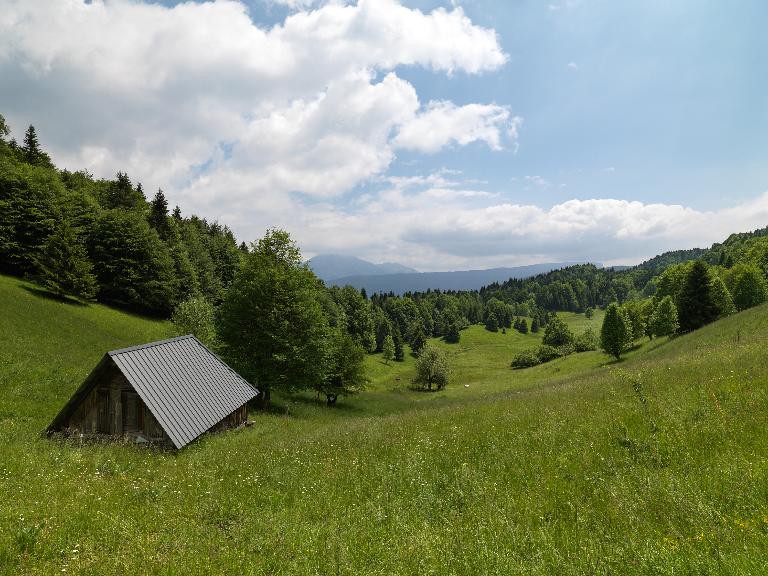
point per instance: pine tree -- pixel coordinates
(696, 306)
(491, 323)
(616, 332)
(63, 266)
(664, 318)
(523, 327)
(535, 325)
(388, 349)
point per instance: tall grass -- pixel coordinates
(653, 465)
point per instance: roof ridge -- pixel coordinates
(150, 344)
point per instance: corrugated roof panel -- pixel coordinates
(187, 388)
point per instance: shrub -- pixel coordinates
(557, 333)
(586, 341)
(566, 349)
(546, 353)
(525, 359)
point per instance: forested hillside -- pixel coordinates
(84, 238)
(93, 238)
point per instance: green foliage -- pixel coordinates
(523, 326)
(133, 266)
(196, 316)
(491, 323)
(748, 286)
(158, 215)
(616, 332)
(346, 370)
(63, 267)
(636, 313)
(121, 194)
(586, 341)
(534, 325)
(721, 296)
(664, 318)
(28, 213)
(32, 152)
(547, 353)
(589, 312)
(388, 350)
(398, 340)
(525, 359)
(360, 321)
(432, 368)
(557, 333)
(272, 326)
(695, 304)
(416, 337)
(453, 335)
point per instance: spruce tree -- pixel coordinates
(696, 305)
(616, 332)
(491, 323)
(523, 327)
(63, 267)
(535, 325)
(158, 215)
(31, 151)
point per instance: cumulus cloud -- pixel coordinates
(217, 109)
(473, 230)
(443, 123)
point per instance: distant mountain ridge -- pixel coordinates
(328, 267)
(458, 280)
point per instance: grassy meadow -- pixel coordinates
(654, 465)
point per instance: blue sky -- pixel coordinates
(571, 130)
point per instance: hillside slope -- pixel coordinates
(655, 465)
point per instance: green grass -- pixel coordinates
(654, 465)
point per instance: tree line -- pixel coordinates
(100, 239)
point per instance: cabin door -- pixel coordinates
(133, 412)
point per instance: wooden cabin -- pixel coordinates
(170, 391)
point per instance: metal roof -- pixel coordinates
(187, 387)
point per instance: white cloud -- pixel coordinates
(220, 111)
(473, 231)
(443, 123)
(573, 66)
